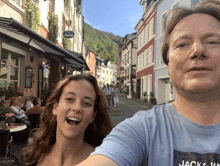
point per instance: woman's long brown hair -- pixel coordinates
(45, 137)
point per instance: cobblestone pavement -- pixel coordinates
(127, 108)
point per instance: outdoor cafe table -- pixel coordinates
(16, 127)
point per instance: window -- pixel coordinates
(10, 69)
(163, 22)
(146, 62)
(176, 5)
(146, 33)
(142, 60)
(150, 51)
(139, 64)
(194, 2)
(17, 2)
(139, 41)
(151, 28)
(50, 5)
(142, 37)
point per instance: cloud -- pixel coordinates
(134, 19)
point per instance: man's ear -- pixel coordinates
(55, 108)
(168, 68)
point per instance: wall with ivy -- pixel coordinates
(32, 16)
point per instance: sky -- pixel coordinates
(117, 16)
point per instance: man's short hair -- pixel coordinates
(210, 7)
(36, 101)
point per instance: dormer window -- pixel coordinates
(148, 3)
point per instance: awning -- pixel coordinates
(78, 55)
(14, 31)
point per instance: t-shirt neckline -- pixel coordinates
(191, 124)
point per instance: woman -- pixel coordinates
(115, 97)
(18, 112)
(74, 122)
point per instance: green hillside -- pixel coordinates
(103, 44)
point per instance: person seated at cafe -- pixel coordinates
(29, 103)
(74, 122)
(37, 109)
(17, 110)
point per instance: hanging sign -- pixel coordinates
(68, 34)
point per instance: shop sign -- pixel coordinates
(10, 63)
(68, 34)
(4, 71)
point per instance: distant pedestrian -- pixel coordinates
(108, 94)
(115, 97)
(112, 86)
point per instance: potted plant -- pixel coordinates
(5, 114)
(3, 93)
(145, 94)
(153, 100)
(11, 92)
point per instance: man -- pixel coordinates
(187, 131)
(35, 112)
(108, 94)
(37, 109)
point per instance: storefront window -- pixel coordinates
(10, 66)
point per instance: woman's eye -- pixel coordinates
(87, 104)
(69, 99)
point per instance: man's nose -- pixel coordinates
(199, 50)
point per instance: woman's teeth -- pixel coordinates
(73, 121)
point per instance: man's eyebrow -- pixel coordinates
(210, 34)
(185, 36)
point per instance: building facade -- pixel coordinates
(129, 59)
(145, 52)
(29, 61)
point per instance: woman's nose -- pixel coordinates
(77, 106)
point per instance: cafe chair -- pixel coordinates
(34, 120)
(4, 142)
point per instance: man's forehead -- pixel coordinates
(197, 23)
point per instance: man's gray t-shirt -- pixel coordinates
(162, 136)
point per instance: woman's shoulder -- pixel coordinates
(44, 160)
(88, 149)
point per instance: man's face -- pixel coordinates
(107, 85)
(194, 54)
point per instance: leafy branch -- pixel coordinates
(53, 26)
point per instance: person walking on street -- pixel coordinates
(185, 131)
(108, 94)
(115, 97)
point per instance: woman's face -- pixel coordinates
(16, 102)
(75, 109)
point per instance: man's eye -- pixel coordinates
(213, 42)
(181, 45)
